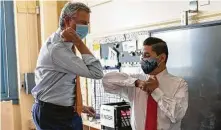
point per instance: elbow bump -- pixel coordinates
(98, 75)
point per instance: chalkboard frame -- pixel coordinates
(191, 26)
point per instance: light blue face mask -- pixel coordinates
(82, 30)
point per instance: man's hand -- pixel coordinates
(152, 84)
(89, 110)
(70, 35)
(148, 86)
(141, 84)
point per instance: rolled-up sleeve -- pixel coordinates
(88, 66)
(120, 83)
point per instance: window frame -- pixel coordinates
(9, 45)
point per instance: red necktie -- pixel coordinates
(151, 114)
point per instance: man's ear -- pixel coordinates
(163, 57)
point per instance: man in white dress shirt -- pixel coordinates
(158, 99)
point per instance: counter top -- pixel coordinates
(94, 124)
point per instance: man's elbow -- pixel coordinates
(97, 75)
(105, 84)
(100, 75)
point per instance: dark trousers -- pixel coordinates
(48, 116)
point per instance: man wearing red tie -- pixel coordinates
(158, 99)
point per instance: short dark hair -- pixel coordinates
(158, 45)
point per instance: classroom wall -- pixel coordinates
(117, 15)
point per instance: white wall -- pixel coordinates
(122, 14)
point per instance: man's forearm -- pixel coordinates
(82, 48)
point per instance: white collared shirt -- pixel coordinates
(171, 96)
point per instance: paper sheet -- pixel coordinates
(112, 57)
(129, 46)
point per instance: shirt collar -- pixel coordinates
(162, 73)
(58, 31)
(58, 35)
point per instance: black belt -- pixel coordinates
(53, 106)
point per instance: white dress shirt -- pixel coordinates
(171, 97)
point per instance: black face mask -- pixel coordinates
(148, 65)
